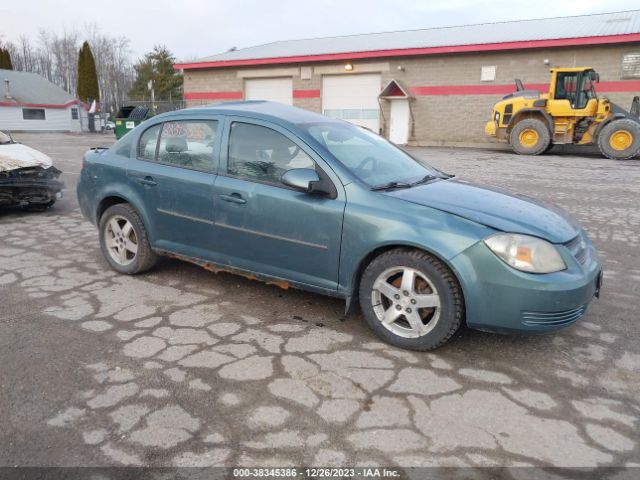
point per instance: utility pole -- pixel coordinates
(153, 95)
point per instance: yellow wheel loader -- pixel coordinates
(570, 113)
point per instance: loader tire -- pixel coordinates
(530, 137)
(620, 139)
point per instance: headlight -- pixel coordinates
(529, 254)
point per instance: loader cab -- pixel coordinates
(572, 92)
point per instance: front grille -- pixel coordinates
(533, 319)
(578, 248)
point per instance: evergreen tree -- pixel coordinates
(157, 66)
(5, 59)
(87, 89)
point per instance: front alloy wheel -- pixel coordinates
(411, 299)
(406, 302)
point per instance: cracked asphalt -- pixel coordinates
(183, 367)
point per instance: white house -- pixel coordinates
(29, 102)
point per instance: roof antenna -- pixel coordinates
(232, 49)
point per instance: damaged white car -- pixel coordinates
(27, 176)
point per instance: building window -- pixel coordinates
(631, 65)
(33, 114)
(487, 73)
(74, 114)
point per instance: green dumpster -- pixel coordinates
(128, 118)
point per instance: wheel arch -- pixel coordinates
(531, 113)
(106, 203)
(611, 118)
(352, 292)
(115, 198)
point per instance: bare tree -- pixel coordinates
(54, 55)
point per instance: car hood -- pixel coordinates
(495, 208)
(16, 155)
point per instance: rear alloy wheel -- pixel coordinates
(123, 240)
(620, 139)
(530, 137)
(411, 299)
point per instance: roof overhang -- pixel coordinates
(44, 105)
(406, 52)
(395, 90)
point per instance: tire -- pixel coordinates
(530, 136)
(118, 245)
(620, 139)
(432, 284)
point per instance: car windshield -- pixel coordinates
(368, 156)
(4, 138)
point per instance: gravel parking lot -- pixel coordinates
(184, 367)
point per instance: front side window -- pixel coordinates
(262, 154)
(33, 114)
(368, 156)
(188, 144)
(149, 142)
(74, 114)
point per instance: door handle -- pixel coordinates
(149, 181)
(234, 198)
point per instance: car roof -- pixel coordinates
(259, 109)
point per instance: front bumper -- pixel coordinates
(30, 186)
(490, 128)
(500, 298)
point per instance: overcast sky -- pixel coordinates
(197, 28)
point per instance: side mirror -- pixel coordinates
(302, 179)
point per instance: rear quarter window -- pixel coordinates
(148, 143)
(123, 146)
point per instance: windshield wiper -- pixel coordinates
(390, 185)
(425, 179)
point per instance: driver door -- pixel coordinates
(266, 227)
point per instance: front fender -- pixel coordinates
(373, 224)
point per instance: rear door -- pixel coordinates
(174, 172)
(265, 227)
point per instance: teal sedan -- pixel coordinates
(297, 199)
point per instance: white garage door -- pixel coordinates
(353, 98)
(273, 89)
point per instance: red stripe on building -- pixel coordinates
(473, 89)
(306, 94)
(213, 95)
(604, 87)
(484, 47)
(621, 86)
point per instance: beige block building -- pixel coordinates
(424, 87)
